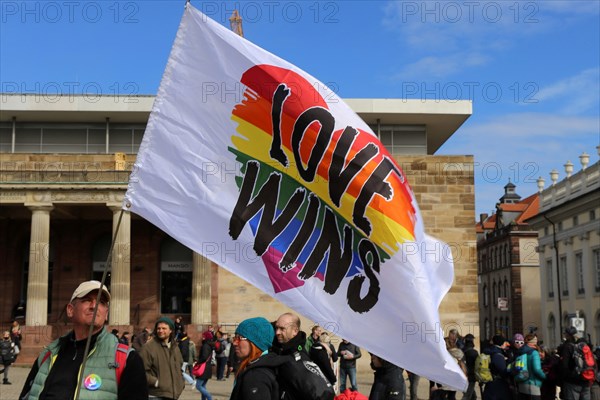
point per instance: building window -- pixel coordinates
(176, 277)
(597, 326)
(74, 138)
(5, 137)
(486, 301)
(550, 278)
(575, 221)
(494, 293)
(560, 226)
(486, 325)
(545, 231)
(551, 329)
(506, 289)
(125, 138)
(580, 276)
(403, 139)
(564, 277)
(100, 250)
(596, 261)
(592, 215)
(500, 328)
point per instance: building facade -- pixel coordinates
(508, 269)
(568, 225)
(65, 162)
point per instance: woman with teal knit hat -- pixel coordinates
(255, 378)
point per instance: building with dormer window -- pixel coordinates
(507, 267)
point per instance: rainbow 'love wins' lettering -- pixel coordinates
(324, 203)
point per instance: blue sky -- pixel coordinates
(531, 68)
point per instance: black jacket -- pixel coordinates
(295, 344)
(184, 347)
(206, 350)
(388, 383)
(344, 363)
(567, 365)
(258, 381)
(498, 364)
(470, 358)
(318, 353)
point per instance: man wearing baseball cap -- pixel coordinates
(56, 374)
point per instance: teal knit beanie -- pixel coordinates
(258, 330)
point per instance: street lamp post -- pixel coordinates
(560, 321)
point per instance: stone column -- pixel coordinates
(121, 268)
(201, 296)
(39, 255)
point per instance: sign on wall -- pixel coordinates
(176, 266)
(503, 303)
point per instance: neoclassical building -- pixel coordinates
(64, 165)
(568, 226)
(508, 269)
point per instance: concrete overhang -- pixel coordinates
(441, 118)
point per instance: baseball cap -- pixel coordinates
(87, 287)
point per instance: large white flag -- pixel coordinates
(258, 166)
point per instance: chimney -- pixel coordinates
(482, 217)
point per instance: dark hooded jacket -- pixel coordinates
(293, 345)
(388, 383)
(319, 355)
(498, 389)
(258, 381)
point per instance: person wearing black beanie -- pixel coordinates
(499, 388)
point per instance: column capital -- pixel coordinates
(40, 206)
(115, 207)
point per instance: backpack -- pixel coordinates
(218, 347)
(584, 362)
(482, 368)
(301, 379)
(121, 355)
(520, 368)
(7, 354)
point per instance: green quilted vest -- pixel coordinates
(100, 363)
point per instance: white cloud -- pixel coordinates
(576, 94)
(522, 147)
(460, 33)
(441, 66)
(532, 126)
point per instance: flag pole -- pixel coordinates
(107, 265)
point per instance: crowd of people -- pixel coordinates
(524, 369)
(277, 360)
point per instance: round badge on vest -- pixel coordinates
(92, 382)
